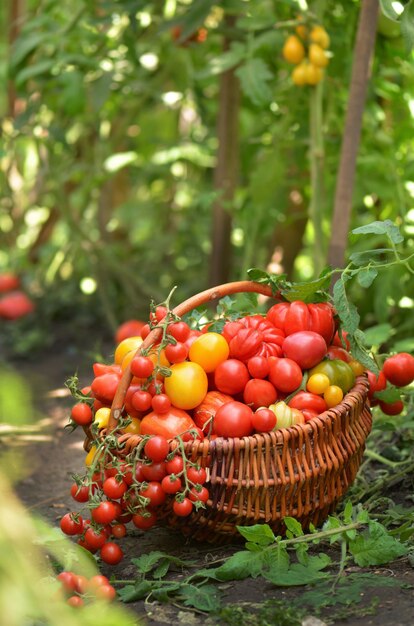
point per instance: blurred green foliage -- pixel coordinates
(107, 162)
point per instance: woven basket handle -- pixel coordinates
(214, 293)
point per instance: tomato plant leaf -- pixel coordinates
(391, 394)
(299, 574)
(359, 352)
(226, 60)
(254, 76)
(131, 593)
(204, 598)
(243, 564)
(293, 526)
(260, 534)
(375, 546)
(368, 256)
(347, 311)
(407, 25)
(375, 335)
(366, 276)
(387, 227)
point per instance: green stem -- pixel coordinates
(382, 459)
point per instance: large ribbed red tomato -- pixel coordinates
(204, 412)
(253, 335)
(296, 316)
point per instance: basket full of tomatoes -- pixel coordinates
(252, 419)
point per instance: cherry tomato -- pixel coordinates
(71, 524)
(104, 387)
(285, 374)
(231, 376)
(119, 530)
(111, 553)
(258, 392)
(68, 581)
(141, 400)
(154, 471)
(182, 508)
(104, 513)
(305, 347)
(376, 383)
(333, 395)
(81, 414)
(95, 538)
(179, 330)
(144, 521)
(233, 419)
(171, 484)
(130, 344)
(399, 369)
(157, 448)
(176, 353)
(317, 383)
(209, 350)
(80, 493)
(198, 495)
(114, 488)
(161, 403)
(8, 282)
(391, 408)
(187, 385)
(154, 492)
(263, 420)
(196, 474)
(175, 466)
(75, 601)
(142, 366)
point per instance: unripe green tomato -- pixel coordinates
(338, 372)
(286, 416)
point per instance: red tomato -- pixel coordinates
(104, 387)
(144, 521)
(376, 383)
(233, 419)
(399, 369)
(154, 492)
(171, 484)
(80, 493)
(142, 366)
(179, 330)
(264, 420)
(285, 374)
(168, 425)
(391, 408)
(154, 471)
(176, 465)
(113, 488)
(176, 353)
(157, 448)
(335, 352)
(68, 580)
(71, 524)
(111, 553)
(130, 328)
(204, 412)
(258, 366)
(297, 316)
(309, 414)
(305, 347)
(183, 507)
(14, 305)
(259, 393)
(340, 338)
(231, 376)
(8, 282)
(95, 538)
(104, 513)
(81, 414)
(196, 475)
(307, 400)
(161, 403)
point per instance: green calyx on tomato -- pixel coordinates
(338, 372)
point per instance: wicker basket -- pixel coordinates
(302, 471)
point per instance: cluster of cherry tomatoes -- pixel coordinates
(307, 51)
(79, 590)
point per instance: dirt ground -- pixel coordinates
(53, 454)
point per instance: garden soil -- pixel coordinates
(52, 454)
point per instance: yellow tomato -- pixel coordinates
(299, 74)
(102, 417)
(317, 383)
(209, 350)
(293, 50)
(356, 367)
(134, 428)
(90, 457)
(187, 385)
(314, 74)
(301, 30)
(333, 395)
(319, 35)
(317, 55)
(127, 345)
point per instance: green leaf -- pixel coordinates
(131, 593)
(388, 10)
(391, 394)
(366, 277)
(407, 25)
(299, 574)
(24, 45)
(375, 546)
(378, 334)
(307, 291)
(293, 526)
(226, 60)
(368, 256)
(147, 562)
(381, 228)
(204, 598)
(347, 311)
(260, 534)
(359, 352)
(254, 76)
(243, 564)
(31, 71)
